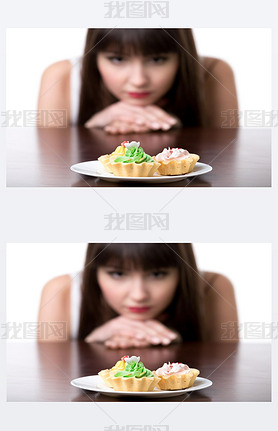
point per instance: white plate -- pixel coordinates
(95, 169)
(96, 384)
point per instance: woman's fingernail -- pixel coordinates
(155, 340)
(155, 125)
(166, 341)
(172, 120)
(172, 336)
(166, 126)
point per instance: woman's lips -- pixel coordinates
(139, 95)
(139, 309)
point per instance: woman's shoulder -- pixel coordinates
(55, 304)
(216, 283)
(58, 69)
(215, 66)
(210, 63)
(58, 286)
(219, 307)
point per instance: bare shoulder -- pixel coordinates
(54, 91)
(218, 282)
(219, 91)
(216, 66)
(220, 305)
(55, 306)
(58, 287)
(57, 70)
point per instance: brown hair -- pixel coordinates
(184, 314)
(186, 97)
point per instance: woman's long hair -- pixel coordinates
(184, 314)
(186, 97)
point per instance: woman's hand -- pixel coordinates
(122, 342)
(122, 127)
(148, 118)
(148, 331)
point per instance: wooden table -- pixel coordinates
(43, 371)
(42, 157)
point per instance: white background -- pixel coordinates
(30, 51)
(30, 266)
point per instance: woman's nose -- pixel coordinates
(138, 74)
(139, 290)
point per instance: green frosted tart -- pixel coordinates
(134, 378)
(135, 162)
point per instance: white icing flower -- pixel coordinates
(132, 358)
(132, 144)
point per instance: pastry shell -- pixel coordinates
(178, 381)
(107, 376)
(178, 166)
(106, 161)
(144, 169)
(133, 384)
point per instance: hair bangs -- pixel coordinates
(135, 256)
(144, 41)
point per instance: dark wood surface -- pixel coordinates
(42, 157)
(43, 371)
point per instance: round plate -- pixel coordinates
(95, 169)
(96, 384)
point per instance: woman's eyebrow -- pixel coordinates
(128, 54)
(115, 52)
(115, 267)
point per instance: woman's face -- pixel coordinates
(136, 79)
(138, 294)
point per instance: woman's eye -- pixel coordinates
(116, 59)
(159, 274)
(158, 60)
(116, 274)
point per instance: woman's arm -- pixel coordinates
(54, 308)
(54, 95)
(221, 319)
(220, 94)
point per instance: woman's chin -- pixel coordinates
(139, 316)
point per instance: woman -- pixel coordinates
(140, 295)
(140, 80)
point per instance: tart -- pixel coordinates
(176, 161)
(106, 159)
(134, 378)
(135, 162)
(175, 375)
(107, 374)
